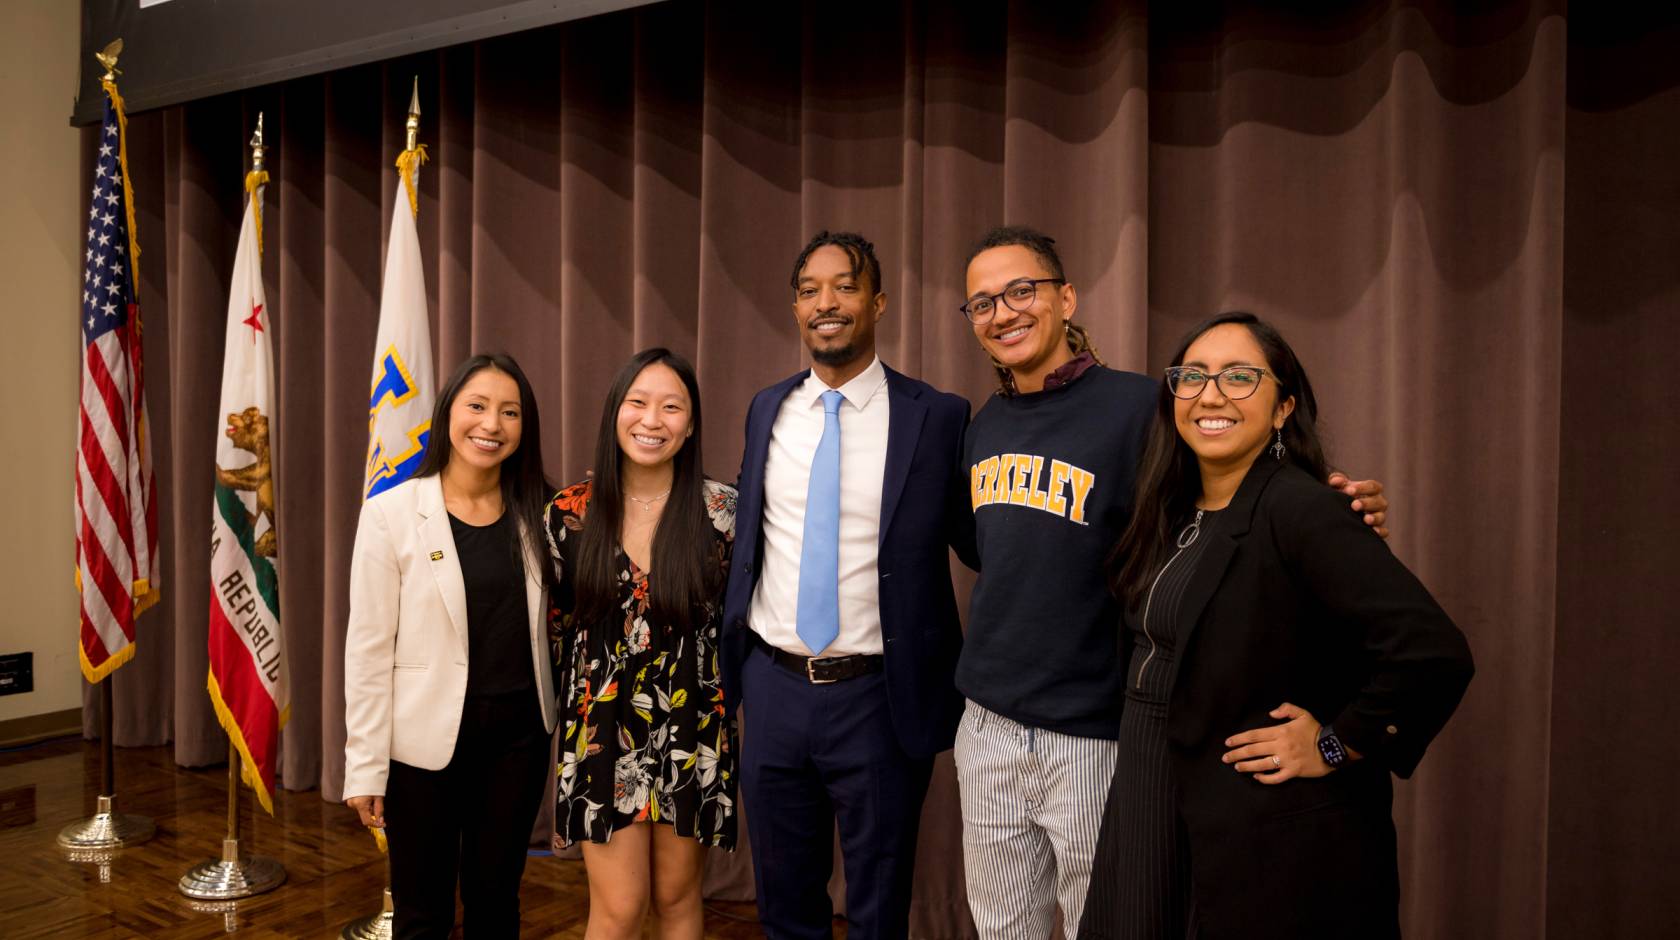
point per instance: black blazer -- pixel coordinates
(924, 510)
(1296, 600)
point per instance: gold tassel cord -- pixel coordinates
(408, 163)
(253, 181)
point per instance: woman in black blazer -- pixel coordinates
(1281, 664)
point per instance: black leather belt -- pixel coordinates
(822, 670)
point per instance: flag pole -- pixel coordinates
(379, 926)
(95, 838)
(88, 839)
(234, 875)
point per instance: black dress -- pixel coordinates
(1140, 876)
(645, 734)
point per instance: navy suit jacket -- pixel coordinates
(924, 511)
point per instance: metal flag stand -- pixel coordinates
(94, 839)
(107, 829)
(233, 875)
(378, 926)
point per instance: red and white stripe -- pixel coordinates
(116, 517)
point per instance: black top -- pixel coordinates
(1154, 631)
(498, 633)
(1051, 476)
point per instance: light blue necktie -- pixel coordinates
(819, 556)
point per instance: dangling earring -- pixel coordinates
(1278, 450)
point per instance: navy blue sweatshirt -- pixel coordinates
(1051, 478)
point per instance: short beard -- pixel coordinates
(844, 355)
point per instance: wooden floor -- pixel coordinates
(334, 872)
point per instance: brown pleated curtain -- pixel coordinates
(1465, 222)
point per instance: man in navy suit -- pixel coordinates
(841, 632)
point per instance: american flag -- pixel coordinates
(116, 505)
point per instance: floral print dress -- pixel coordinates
(645, 734)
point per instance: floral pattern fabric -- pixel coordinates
(645, 733)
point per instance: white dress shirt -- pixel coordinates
(787, 477)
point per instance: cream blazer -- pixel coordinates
(405, 651)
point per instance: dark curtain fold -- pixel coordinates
(1464, 219)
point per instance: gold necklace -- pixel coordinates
(647, 504)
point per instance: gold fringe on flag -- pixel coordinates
(407, 163)
(253, 180)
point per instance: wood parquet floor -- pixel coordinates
(334, 872)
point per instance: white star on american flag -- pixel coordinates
(96, 280)
(92, 233)
(110, 309)
(100, 261)
(93, 213)
(86, 297)
(110, 199)
(119, 248)
(104, 239)
(99, 170)
(90, 254)
(90, 323)
(107, 218)
(116, 267)
(113, 287)
(110, 130)
(104, 150)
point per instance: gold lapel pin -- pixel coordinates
(437, 556)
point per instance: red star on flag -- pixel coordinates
(254, 321)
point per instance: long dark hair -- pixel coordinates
(525, 490)
(1169, 481)
(688, 573)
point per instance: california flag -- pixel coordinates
(247, 668)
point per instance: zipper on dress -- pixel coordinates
(1185, 540)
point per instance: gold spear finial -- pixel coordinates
(414, 115)
(108, 58)
(257, 148)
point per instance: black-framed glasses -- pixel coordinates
(1018, 295)
(1235, 383)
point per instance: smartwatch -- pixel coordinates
(1330, 747)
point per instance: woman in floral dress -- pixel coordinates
(647, 763)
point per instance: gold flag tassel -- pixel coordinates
(407, 162)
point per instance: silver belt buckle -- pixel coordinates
(811, 673)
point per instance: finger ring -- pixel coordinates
(1277, 761)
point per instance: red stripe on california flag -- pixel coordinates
(243, 692)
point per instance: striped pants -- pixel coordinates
(1032, 806)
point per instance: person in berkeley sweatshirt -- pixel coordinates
(1052, 460)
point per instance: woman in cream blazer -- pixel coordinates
(448, 674)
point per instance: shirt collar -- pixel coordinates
(858, 391)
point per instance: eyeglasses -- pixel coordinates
(1235, 383)
(1018, 295)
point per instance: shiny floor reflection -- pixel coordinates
(334, 872)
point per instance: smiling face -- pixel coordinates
(1223, 432)
(837, 309)
(1032, 342)
(655, 418)
(485, 419)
